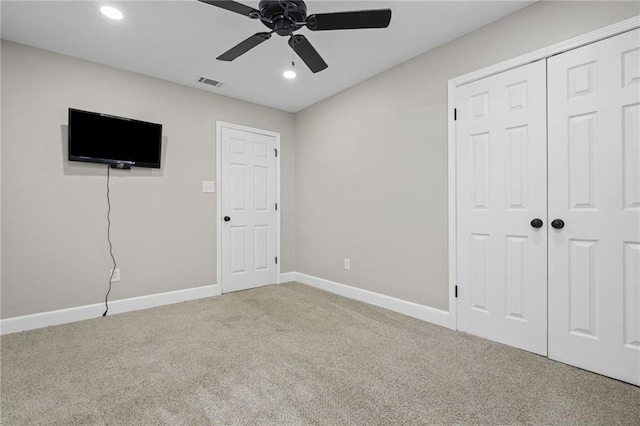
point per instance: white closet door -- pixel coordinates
(501, 177)
(594, 187)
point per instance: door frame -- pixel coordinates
(219, 126)
(453, 84)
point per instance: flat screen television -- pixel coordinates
(118, 141)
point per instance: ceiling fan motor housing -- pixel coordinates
(283, 16)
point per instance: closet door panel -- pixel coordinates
(594, 188)
(501, 187)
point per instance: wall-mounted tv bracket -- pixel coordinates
(123, 165)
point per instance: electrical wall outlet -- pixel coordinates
(116, 275)
(347, 264)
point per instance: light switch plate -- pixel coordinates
(208, 186)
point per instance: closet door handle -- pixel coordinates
(227, 219)
(557, 223)
(537, 223)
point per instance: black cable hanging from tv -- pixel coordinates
(113, 271)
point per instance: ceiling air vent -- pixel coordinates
(205, 80)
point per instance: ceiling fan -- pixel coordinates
(284, 17)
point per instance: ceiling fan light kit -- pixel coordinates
(284, 17)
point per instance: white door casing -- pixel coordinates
(248, 194)
(594, 187)
(501, 188)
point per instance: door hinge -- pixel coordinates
(276, 151)
(276, 260)
(276, 206)
(455, 114)
(456, 292)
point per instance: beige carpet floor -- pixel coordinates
(289, 355)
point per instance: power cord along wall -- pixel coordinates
(106, 297)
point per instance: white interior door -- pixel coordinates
(501, 187)
(594, 187)
(248, 209)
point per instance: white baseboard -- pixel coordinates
(424, 313)
(79, 313)
(287, 277)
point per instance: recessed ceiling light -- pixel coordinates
(289, 74)
(111, 12)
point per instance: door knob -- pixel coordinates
(557, 223)
(227, 219)
(536, 223)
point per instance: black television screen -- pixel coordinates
(123, 142)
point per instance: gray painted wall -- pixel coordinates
(54, 211)
(371, 162)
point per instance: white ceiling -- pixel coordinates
(178, 41)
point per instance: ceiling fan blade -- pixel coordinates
(244, 46)
(379, 18)
(234, 6)
(307, 53)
